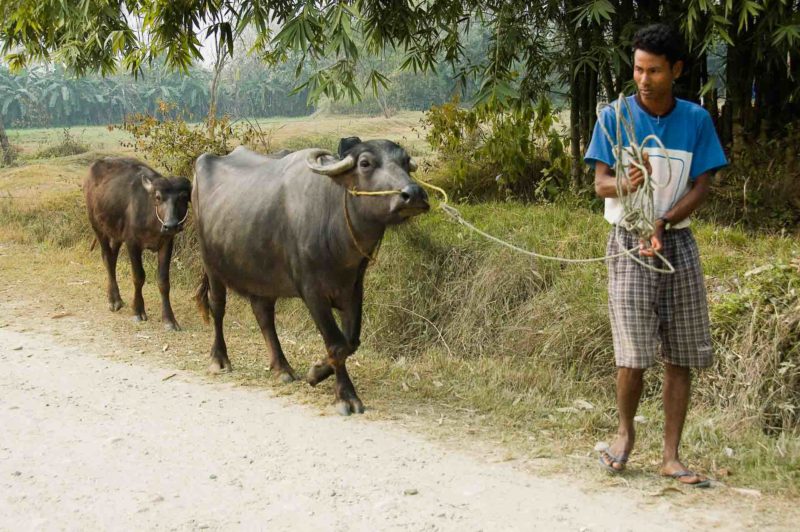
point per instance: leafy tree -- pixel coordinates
(580, 44)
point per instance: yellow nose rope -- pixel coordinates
(371, 258)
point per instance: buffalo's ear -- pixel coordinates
(147, 183)
(346, 144)
(187, 186)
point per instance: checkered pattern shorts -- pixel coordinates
(646, 306)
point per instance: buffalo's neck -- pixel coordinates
(363, 234)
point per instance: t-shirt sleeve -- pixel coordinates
(708, 154)
(600, 148)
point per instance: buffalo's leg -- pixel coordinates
(351, 323)
(110, 252)
(338, 350)
(217, 295)
(264, 310)
(135, 254)
(164, 258)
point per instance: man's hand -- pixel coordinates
(656, 241)
(636, 176)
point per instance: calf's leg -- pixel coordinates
(110, 252)
(135, 254)
(164, 258)
(264, 310)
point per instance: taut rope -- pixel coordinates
(636, 218)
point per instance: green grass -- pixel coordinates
(487, 342)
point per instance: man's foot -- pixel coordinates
(611, 463)
(679, 472)
(615, 458)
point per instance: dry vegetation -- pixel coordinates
(471, 338)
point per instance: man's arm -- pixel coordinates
(679, 212)
(605, 182)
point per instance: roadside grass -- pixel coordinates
(469, 340)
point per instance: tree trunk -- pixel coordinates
(575, 135)
(219, 64)
(625, 14)
(5, 144)
(576, 170)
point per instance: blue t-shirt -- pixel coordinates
(691, 143)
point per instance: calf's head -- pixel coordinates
(170, 200)
(375, 166)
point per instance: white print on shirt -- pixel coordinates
(666, 191)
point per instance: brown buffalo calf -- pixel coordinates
(129, 202)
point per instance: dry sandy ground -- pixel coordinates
(91, 443)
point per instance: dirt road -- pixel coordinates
(92, 443)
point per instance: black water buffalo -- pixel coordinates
(129, 202)
(290, 228)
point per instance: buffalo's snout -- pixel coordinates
(414, 197)
(170, 227)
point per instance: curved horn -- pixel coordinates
(412, 165)
(328, 169)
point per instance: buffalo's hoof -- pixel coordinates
(215, 368)
(319, 372)
(286, 377)
(172, 326)
(142, 316)
(114, 306)
(345, 407)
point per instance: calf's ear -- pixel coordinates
(346, 144)
(188, 187)
(147, 183)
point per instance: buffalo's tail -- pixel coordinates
(201, 298)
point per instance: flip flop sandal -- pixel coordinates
(621, 459)
(686, 473)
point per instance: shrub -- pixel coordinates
(761, 188)
(757, 333)
(488, 152)
(173, 144)
(69, 145)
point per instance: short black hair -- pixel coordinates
(660, 39)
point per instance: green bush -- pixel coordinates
(69, 145)
(487, 152)
(761, 188)
(757, 332)
(171, 143)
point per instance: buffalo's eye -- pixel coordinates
(364, 163)
(158, 198)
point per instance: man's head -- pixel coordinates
(658, 53)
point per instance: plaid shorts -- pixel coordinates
(646, 306)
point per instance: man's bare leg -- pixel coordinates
(630, 382)
(677, 387)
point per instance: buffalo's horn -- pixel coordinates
(412, 165)
(328, 169)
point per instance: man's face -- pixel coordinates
(653, 75)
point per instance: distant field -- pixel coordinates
(401, 128)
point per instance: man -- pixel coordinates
(646, 306)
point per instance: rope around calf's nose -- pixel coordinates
(158, 217)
